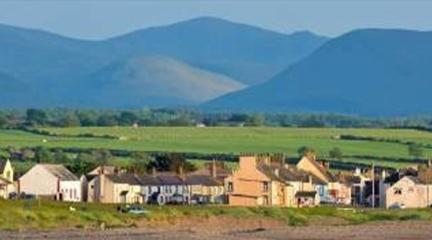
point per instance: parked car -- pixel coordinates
(133, 209)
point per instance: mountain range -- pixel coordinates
(179, 64)
(367, 72)
(220, 65)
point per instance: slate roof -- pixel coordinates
(107, 170)
(202, 180)
(169, 179)
(323, 170)
(284, 174)
(125, 178)
(60, 172)
(395, 177)
(149, 180)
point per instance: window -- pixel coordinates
(265, 187)
(398, 191)
(230, 187)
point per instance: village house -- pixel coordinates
(110, 186)
(260, 182)
(52, 181)
(358, 182)
(172, 189)
(329, 188)
(119, 187)
(6, 179)
(407, 188)
(207, 185)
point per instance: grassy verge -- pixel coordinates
(16, 215)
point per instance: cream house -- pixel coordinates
(51, 181)
(330, 188)
(115, 188)
(407, 192)
(6, 179)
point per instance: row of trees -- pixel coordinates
(84, 161)
(187, 117)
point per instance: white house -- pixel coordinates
(51, 180)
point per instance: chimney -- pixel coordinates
(214, 169)
(101, 184)
(429, 163)
(276, 172)
(154, 172)
(327, 165)
(310, 179)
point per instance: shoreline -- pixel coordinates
(396, 230)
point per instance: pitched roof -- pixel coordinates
(149, 180)
(284, 174)
(202, 180)
(322, 169)
(169, 179)
(107, 170)
(60, 171)
(125, 178)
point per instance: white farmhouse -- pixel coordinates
(52, 181)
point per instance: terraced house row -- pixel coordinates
(259, 180)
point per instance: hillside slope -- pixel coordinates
(372, 71)
(57, 68)
(246, 53)
(155, 81)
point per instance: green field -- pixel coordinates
(228, 140)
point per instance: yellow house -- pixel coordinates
(115, 188)
(6, 179)
(261, 182)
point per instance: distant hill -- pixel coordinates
(246, 53)
(372, 71)
(57, 68)
(155, 81)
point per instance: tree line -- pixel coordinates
(190, 117)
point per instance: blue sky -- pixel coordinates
(97, 19)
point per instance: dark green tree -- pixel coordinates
(255, 120)
(306, 151)
(127, 118)
(70, 120)
(107, 120)
(141, 162)
(36, 116)
(43, 155)
(83, 163)
(415, 150)
(336, 153)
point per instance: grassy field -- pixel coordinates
(17, 215)
(228, 140)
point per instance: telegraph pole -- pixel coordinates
(373, 185)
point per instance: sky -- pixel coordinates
(98, 19)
